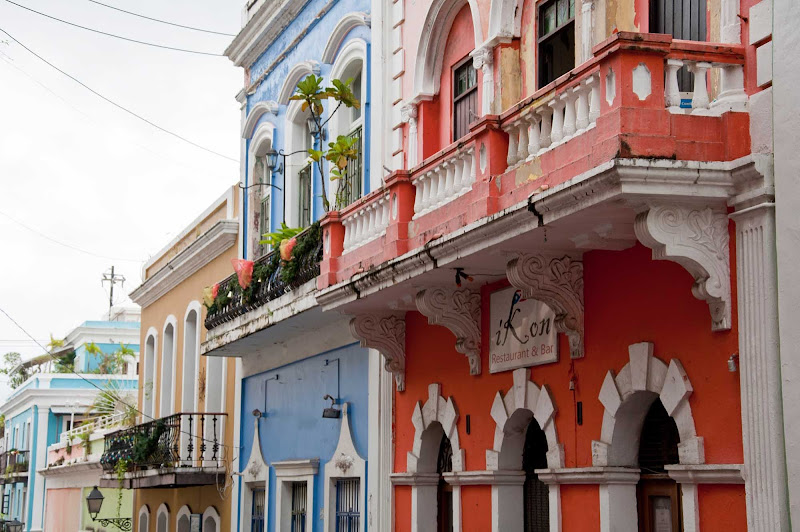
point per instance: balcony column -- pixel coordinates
(522, 144)
(483, 60)
(700, 96)
(408, 113)
(760, 369)
(37, 460)
(333, 235)
(402, 197)
(557, 127)
(544, 135)
(533, 135)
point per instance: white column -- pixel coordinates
(483, 60)
(700, 96)
(672, 94)
(409, 115)
(587, 33)
(507, 506)
(760, 370)
(380, 459)
(618, 512)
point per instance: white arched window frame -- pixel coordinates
(162, 518)
(190, 380)
(211, 520)
(168, 355)
(260, 193)
(346, 464)
(350, 63)
(216, 376)
(144, 519)
(183, 519)
(298, 139)
(149, 373)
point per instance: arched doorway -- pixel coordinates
(535, 493)
(444, 491)
(657, 495)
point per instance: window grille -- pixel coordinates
(257, 515)
(556, 39)
(264, 218)
(299, 498)
(465, 97)
(350, 188)
(347, 514)
(535, 492)
(304, 182)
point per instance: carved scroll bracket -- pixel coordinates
(558, 282)
(697, 239)
(386, 334)
(460, 311)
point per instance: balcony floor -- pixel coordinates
(170, 477)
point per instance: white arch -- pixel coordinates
(168, 355)
(262, 140)
(430, 50)
(184, 513)
(162, 518)
(149, 373)
(425, 451)
(627, 399)
(258, 110)
(505, 21)
(345, 25)
(191, 356)
(296, 73)
(144, 519)
(211, 518)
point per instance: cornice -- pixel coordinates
(206, 248)
(69, 469)
(589, 475)
(707, 473)
(262, 29)
(296, 468)
(481, 478)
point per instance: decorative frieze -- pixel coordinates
(697, 239)
(460, 311)
(386, 334)
(558, 282)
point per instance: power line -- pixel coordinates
(94, 385)
(113, 34)
(115, 104)
(51, 239)
(162, 21)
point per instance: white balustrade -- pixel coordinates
(446, 181)
(564, 117)
(366, 223)
(90, 426)
(732, 95)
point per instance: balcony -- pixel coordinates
(185, 449)
(14, 465)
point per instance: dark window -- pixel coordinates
(350, 187)
(658, 495)
(257, 515)
(444, 493)
(304, 206)
(683, 19)
(356, 88)
(465, 97)
(264, 217)
(299, 498)
(347, 515)
(535, 492)
(556, 39)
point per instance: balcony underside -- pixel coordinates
(170, 477)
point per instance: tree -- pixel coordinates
(10, 362)
(66, 363)
(112, 363)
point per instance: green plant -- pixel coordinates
(120, 468)
(306, 245)
(66, 363)
(275, 238)
(16, 375)
(145, 445)
(68, 447)
(84, 442)
(114, 363)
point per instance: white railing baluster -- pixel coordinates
(700, 96)
(582, 106)
(557, 125)
(544, 135)
(672, 94)
(450, 177)
(522, 143)
(458, 174)
(533, 135)
(512, 145)
(594, 100)
(569, 98)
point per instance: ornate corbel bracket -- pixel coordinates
(697, 239)
(558, 282)
(386, 334)
(460, 311)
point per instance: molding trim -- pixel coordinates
(559, 283)
(414, 479)
(258, 110)
(296, 468)
(386, 334)
(483, 478)
(206, 248)
(346, 463)
(436, 409)
(697, 239)
(296, 74)
(345, 25)
(707, 473)
(645, 376)
(523, 395)
(261, 30)
(589, 475)
(460, 311)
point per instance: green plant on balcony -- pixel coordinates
(68, 447)
(84, 442)
(145, 445)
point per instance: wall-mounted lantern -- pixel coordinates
(94, 501)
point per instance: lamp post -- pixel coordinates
(94, 501)
(14, 526)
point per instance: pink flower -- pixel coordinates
(287, 246)
(244, 271)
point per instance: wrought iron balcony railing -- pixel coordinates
(277, 282)
(14, 462)
(181, 440)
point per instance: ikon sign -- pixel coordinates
(523, 332)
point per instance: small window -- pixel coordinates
(299, 500)
(264, 217)
(257, 516)
(304, 207)
(465, 97)
(356, 88)
(556, 39)
(347, 514)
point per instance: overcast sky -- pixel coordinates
(85, 174)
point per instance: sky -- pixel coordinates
(84, 185)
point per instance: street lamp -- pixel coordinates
(94, 501)
(14, 526)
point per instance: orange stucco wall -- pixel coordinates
(629, 298)
(197, 499)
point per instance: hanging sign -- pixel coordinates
(522, 332)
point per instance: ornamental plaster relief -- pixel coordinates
(437, 409)
(460, 311)
(697, 239)
(386, 334)
(558, 282)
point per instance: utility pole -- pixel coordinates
(112, 278)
